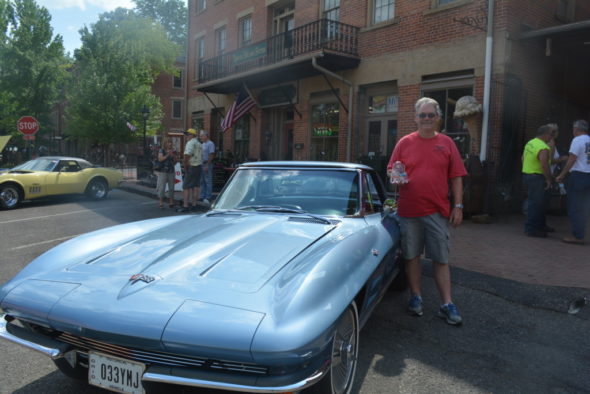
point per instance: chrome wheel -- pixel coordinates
(345, 351)
(97, 189)
(343, 358)
(9, 196)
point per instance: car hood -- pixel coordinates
(208, 262)
(238, 251)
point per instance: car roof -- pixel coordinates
(61, 158)
(307, 164)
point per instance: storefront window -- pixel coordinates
(324, 131)
(454, 128)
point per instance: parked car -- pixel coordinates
(55, 175)
(266, 292)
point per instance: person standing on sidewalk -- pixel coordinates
(538, 180)
(207, 175)
(431, 160)
(192, 169)
(578, 183)
(167, 159)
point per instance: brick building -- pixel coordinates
(337, 79)
(171, 90)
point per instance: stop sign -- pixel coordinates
(27, 125)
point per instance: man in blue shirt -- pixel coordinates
(207, 174)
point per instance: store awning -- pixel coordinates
(3, 141)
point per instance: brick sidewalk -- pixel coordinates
(501, 249)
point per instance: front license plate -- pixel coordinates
(115, 373)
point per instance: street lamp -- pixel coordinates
(145, 113)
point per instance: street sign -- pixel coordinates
(27, 125)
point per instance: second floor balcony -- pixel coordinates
(283, 57)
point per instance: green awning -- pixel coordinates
(3, 141)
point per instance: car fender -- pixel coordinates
(333, 271)
(35, 185)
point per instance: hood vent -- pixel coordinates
(305, 219)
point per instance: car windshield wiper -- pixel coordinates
(279, 209)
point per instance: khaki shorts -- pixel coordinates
(427, 233)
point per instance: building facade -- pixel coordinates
(338, 79)
(171, 89)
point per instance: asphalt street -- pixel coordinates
(517, 338)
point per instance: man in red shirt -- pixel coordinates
(431, 160)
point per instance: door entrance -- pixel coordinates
(277, 135)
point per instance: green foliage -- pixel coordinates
(31, 64)
(120, 57)
(171, 14)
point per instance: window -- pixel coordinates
(176, 109)
(201, 5)
(371, 199)
(324, 131)
(198, 120)
(383, 10)
(200, 54)
(443, 2)
(245, 30)
(177, 79)
(446, 93)
(220, 40)
(332, 10)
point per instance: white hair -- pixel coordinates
(427, 100)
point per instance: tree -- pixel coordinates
(114, 69)
(32, 64)
(171, 14)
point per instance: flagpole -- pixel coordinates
(250, 94)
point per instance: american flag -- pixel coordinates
(239, 108)
(131, 127)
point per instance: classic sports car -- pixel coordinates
(264, 293)
(55, 175)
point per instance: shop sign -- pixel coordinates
(323, 131)
(249, 53)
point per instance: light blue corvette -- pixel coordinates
(264, 293)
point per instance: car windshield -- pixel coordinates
(40, 164)
(329, 192)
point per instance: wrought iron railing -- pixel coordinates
(314, 36)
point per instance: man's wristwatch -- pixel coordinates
(460, 206)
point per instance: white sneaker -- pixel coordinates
(206, 201)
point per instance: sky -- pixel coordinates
(69, 16)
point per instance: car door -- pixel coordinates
(68, 178)
(384, 237)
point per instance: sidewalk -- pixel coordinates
(501, 249)
(498, 249)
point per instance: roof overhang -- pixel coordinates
(287, 70)
(573, 38)
(575, 28)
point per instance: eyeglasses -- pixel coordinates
(429, 115)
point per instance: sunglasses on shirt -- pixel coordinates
(429, 115)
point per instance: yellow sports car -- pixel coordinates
(55, 175)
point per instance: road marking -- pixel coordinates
(45, 217)
(66, 213)
(44, 242)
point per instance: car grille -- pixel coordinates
(160, 358)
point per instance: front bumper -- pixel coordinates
(173, 375)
